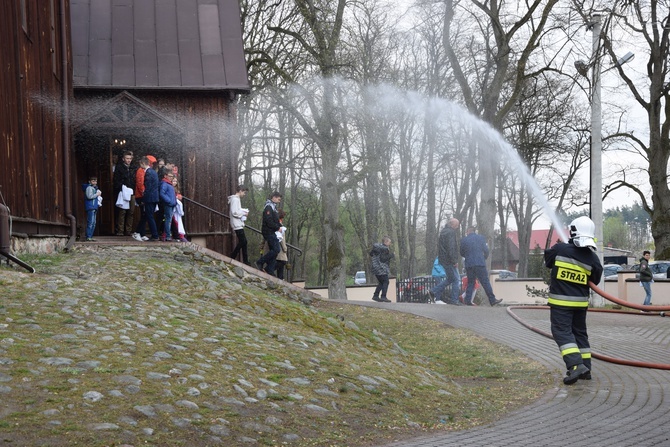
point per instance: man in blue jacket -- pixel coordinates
(475, 250)
(150, 198)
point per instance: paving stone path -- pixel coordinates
(621, 406)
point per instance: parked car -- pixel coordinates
(659, 268)
(360, 279)
(610, 271)
(505, 274)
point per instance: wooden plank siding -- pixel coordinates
(31, 146)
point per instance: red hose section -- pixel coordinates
(616, 300)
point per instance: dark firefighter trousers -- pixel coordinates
(568, 326)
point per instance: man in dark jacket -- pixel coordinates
(646, 276)
(475, 250)
(573, 265)
(150, 198)
(448, 255)
(124, 175)
(145, 163)
(269, 227)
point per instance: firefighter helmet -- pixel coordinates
(582, 232)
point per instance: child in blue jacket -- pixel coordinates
(168, 200)
(93, 197)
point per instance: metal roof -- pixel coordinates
(158, 44)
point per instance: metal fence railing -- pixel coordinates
(415, 290)
(247, 227)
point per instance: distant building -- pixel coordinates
(508, 259)
(618, 256)
(505, 259)
(538, 239)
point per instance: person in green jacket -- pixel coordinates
(646, 276)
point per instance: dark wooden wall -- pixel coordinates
(31, 147)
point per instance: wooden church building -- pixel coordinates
(91, 79)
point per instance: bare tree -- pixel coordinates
(647, 22)
(551, 138)
(402, 166)
(371, 48)
(319, 37)
(276, 153)
(502, 38)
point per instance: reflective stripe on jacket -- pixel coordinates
(571, 270)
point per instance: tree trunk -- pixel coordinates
(660, 214)
(333, 231)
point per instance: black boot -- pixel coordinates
(574, 374)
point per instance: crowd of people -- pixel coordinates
(274, 260)
(573, 265)
(153, 188)
(474, 250)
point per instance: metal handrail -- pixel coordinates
(255, 230)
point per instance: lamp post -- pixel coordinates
(596, 197)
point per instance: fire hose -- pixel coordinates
(649, 311)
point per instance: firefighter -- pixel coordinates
(573, 265)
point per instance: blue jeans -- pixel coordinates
(453, 279)
(479, 272)
(90, 223)
(646, 285)
(168, 211)
(149, 209)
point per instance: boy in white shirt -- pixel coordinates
(237, 217)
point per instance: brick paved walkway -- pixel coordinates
(621, 406)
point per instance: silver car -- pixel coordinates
(359, 278)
